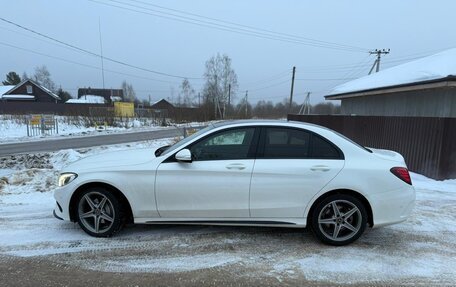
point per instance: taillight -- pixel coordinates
(402, 173)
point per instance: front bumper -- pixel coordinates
(56, 216)
(62, 196)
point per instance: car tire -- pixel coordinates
(339, 219)
(99, 213)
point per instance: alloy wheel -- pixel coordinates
(340, 220)
(96, 212)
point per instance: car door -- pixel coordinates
(216, 183)
(291, 167)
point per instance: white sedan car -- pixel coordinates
(256, 173)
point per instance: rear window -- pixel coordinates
(322, 149)
(290, 143)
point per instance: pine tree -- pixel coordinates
(12, 78)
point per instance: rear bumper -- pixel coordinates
(393, 206)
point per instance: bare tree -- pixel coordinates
(325, 109)
(128, 92)
(43, 77)
(186, 94)
(221, 83)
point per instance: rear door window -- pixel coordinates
(291, 143)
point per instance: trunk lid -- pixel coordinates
(388, 155)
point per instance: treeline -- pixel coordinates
(217, 99)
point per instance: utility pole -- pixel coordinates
(101, 50)
(199, 100)
(246, 106)
(292, 87)
(379, 53)
(305, 108)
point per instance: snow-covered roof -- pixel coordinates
(18, 97)
(434, 67)
(116, 99)
(5, 89)
(87, 99)
(51, 93)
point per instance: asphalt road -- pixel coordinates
(88, 141)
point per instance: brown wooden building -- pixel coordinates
(29, 91)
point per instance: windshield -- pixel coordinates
(186, 140)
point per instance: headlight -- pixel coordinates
(66, 178)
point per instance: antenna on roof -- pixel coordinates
(379, 53)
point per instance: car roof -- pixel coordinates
(264, 123)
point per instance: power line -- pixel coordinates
(83, 65)
(277, 76)
(95, 54)
(246, 26)
(207, 24)
(270, 86)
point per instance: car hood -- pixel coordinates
(112, 160)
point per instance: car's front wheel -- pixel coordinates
(339, 219)
(99, 212)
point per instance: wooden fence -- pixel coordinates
(427, 144)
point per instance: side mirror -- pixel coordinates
(184, 155)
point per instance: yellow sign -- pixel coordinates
(123, 109)
(35, 119)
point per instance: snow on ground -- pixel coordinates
(15, 130)
(421, 250)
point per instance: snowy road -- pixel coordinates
(85, 141)
(420, 251)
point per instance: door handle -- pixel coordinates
(319, 168)
(239, 166)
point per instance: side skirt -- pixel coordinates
(295, 223)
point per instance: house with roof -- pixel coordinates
(424, 88)
(109, 95)
(162, 105)
(29, 91)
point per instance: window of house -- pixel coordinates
(29, 89)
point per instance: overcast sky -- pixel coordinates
(410, 28)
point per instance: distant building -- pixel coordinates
(28, 90)
(162, 105)
(423, 88)
(110, 95)
(87, 99)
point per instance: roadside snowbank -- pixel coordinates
(13, 130)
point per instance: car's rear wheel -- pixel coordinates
(99, 213)
(339, 219)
